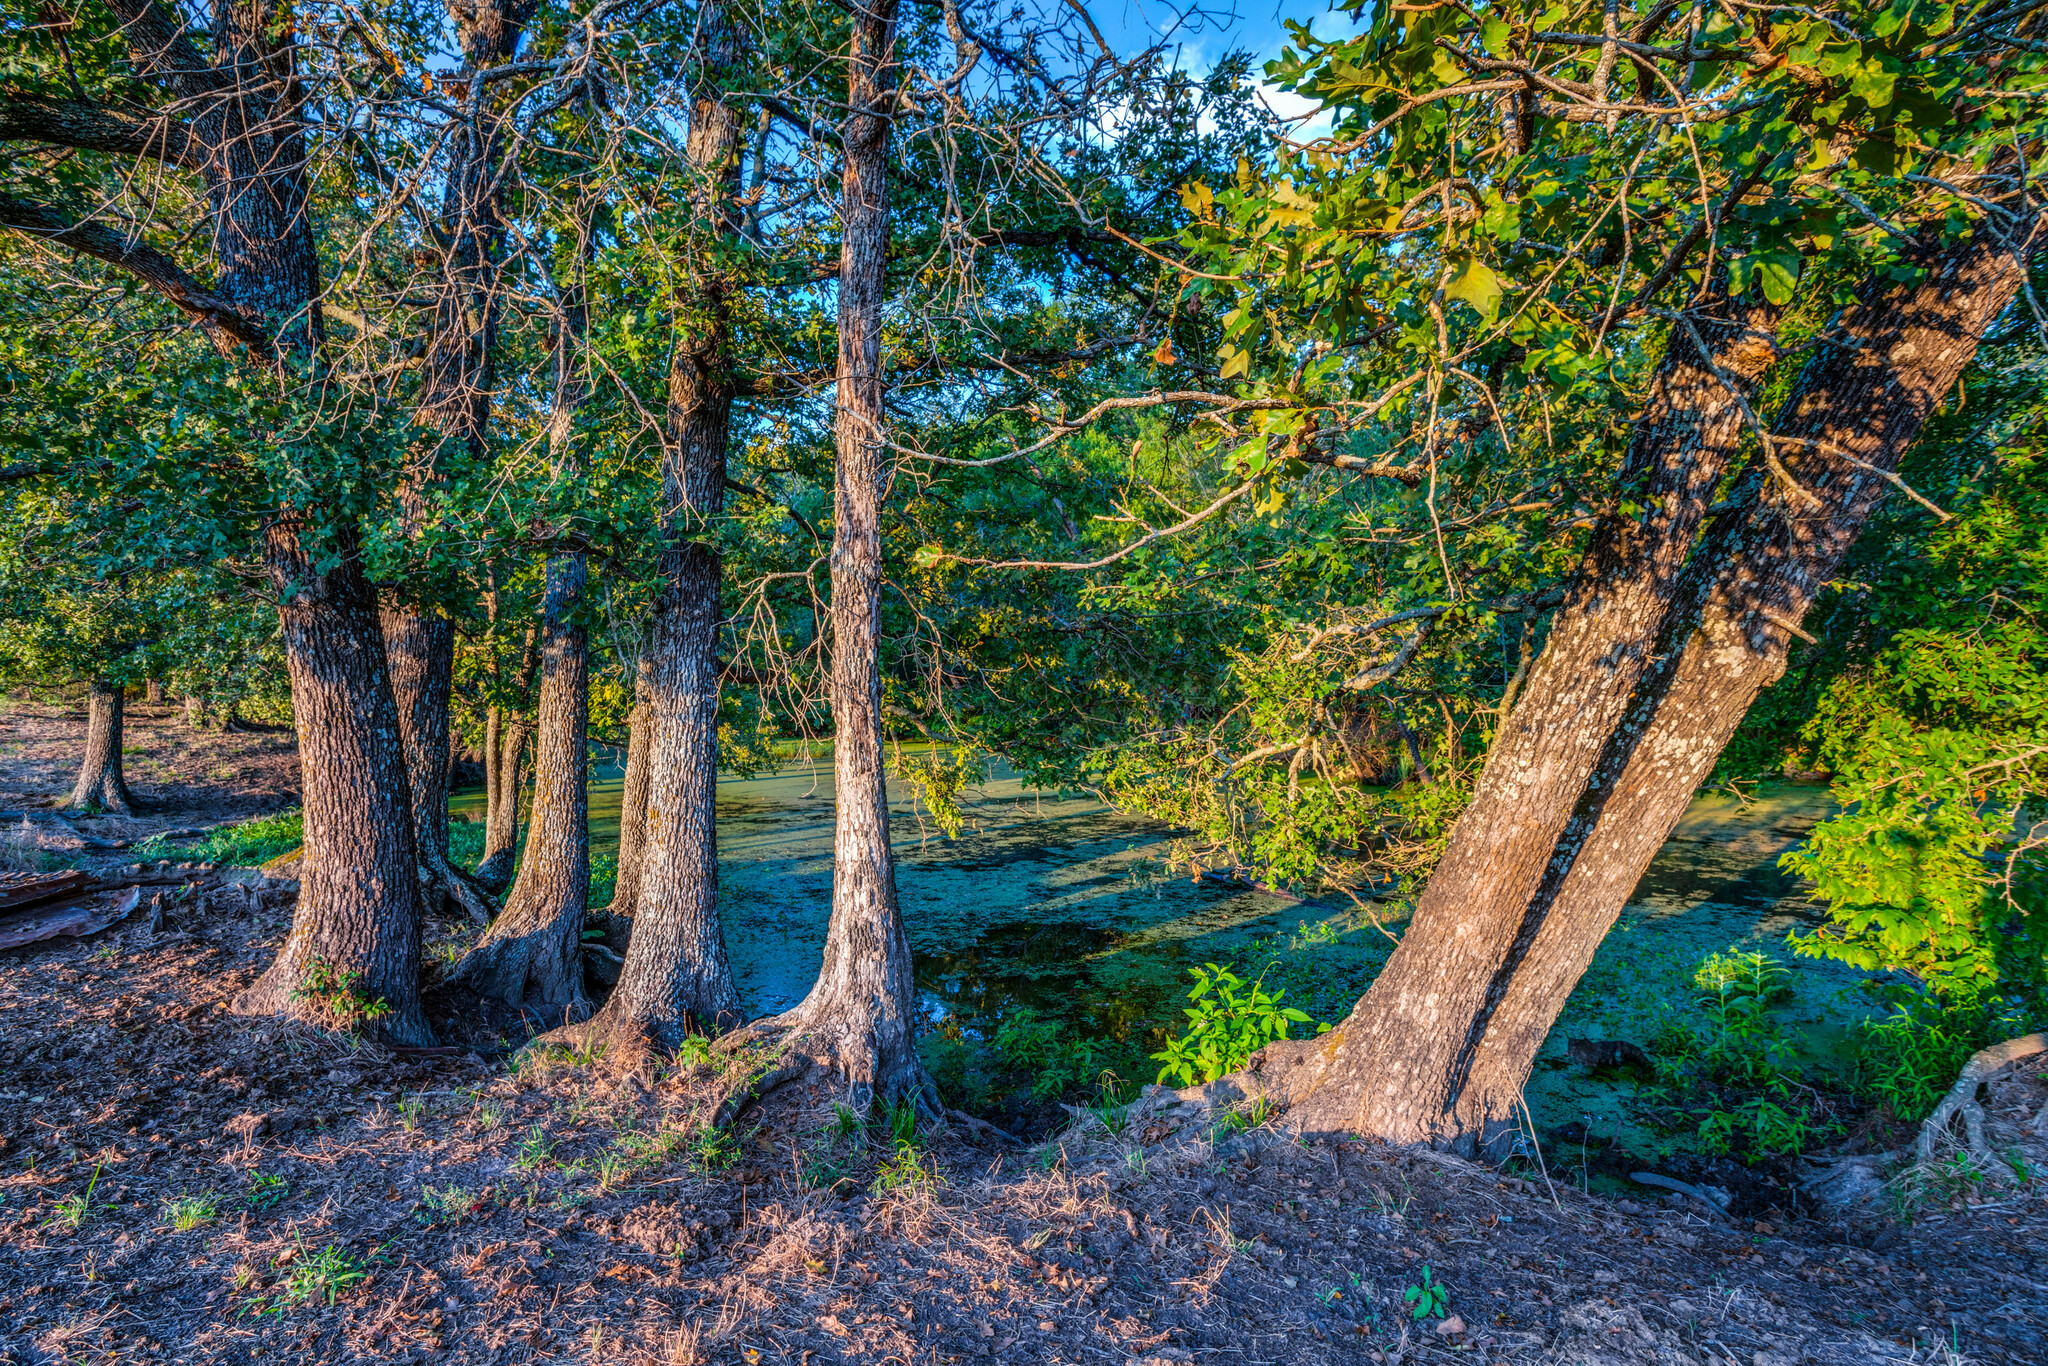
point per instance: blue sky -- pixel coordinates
(1257, 26)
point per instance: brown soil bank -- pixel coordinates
(354, 1205)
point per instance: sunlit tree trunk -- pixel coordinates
(455, 402)
(859, 1020)
(676, 978)
(357, 915)
(355, 940)
(1756, 574)
(532, 952)
(1402, 1066)
(505, 740)
(100, 785)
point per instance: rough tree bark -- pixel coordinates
(532, 953)
(355, 939)
(455, 402)
(859, 1020)
(1401, 1066)
(676, 978)
(195, 711)
(100, 785)
(633, 798)
(238, 125)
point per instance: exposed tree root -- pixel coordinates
(1984, 1067)
(440, 881)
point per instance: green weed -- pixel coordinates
(448, 1205)
(1229, 1021)
(1429, 1300)
(536, 1150)
(337, 995)
(265, 1192)
(187, 1212)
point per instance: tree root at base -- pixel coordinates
(1983, 1068)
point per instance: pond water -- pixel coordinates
(1057, 903)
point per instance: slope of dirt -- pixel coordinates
(181, 1185)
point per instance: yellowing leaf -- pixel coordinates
(1474, 282)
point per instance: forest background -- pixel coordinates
(1232, 465)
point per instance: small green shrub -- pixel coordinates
(337, 995)
(448, 1205)
(1429, 1300)
(1229, 1021)
(266, 1192)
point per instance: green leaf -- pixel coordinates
(1495, 33)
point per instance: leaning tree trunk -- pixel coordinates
(860, 1019)
(676, 978)
(1752, 581)
(533, 951)
(352, 958)
(100, 786)
(420, 652)
(633, 798)
(504, 755)
(1401, 1066)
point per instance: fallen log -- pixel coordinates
(78, 919)
(27, 889)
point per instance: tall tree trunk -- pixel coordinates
(533, 950)
(419, 650)
(1401, 1066)
(358, 894)
(153, 692)
(1754, 577)
(859, 1021)
(633, 797)
(195, 711)
(100, 786)
(504, 751)
(455, 401)
(352, 958)
(676, 977)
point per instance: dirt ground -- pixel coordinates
(180, 776)
(179, 1184)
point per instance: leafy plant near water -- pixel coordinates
(1736, 1081)
(1229, 1021)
